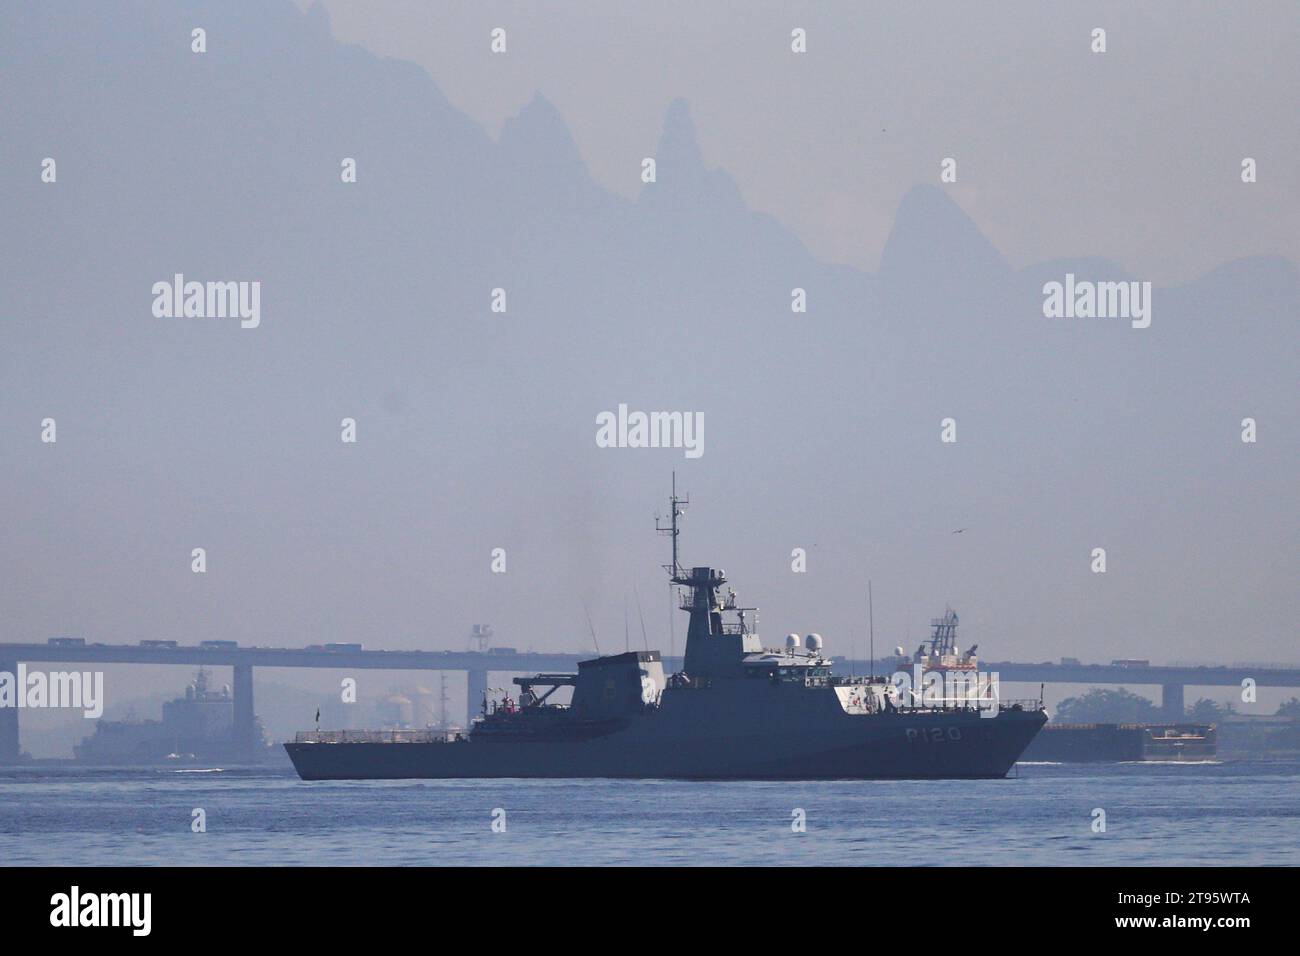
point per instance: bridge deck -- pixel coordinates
(1011, 671)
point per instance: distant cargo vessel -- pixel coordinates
(737, 710)
(195, 728)
(1096, 743)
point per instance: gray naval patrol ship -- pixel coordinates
(736, 711)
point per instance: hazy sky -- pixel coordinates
(1134, 154)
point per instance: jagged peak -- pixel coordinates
(681, 177)
(318, 19)
(540, 111)
(931, 228)
(540, 130)
(678, 145)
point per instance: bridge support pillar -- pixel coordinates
(9, 752)
(245, 731)
(475, 688)
(1171, 702)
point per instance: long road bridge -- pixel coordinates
(1172, 679)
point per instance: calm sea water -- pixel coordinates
(1191, 814)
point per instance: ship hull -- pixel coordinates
(918, 745)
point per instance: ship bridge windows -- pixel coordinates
(785, 671)
(803, 675)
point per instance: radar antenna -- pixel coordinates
(591, 628)
(871, 623)
(677, 509)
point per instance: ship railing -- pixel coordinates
(844, 680)
(375, 736)
(958, 703)
(1150, 728)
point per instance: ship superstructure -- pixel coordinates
(940, 652)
